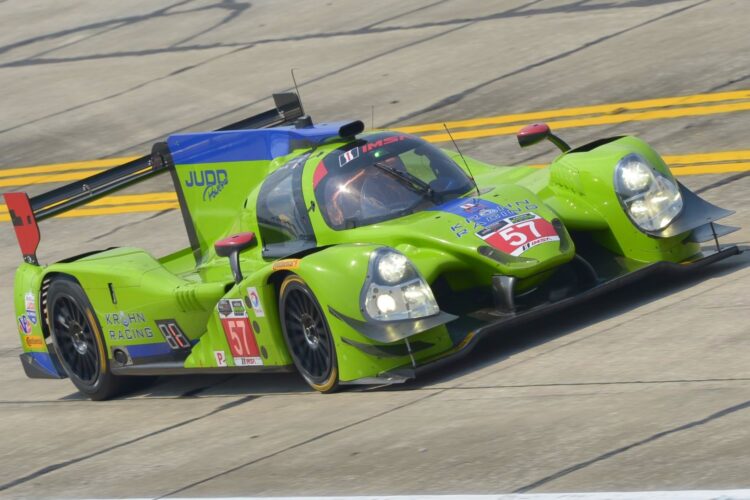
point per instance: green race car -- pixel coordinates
(352, 257)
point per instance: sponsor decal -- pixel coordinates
(238, 308)
(33, 342)
(239, 333)
(30, 302)
(516, 234)
(286, 264)
(348, 156)
(477, 213)
(212, 182)
(224, 307)
(221, 358)
(173, 334)
(252, 294)
(127, 326)
(382, 142)
(24, 324)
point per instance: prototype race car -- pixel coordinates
(352, 257)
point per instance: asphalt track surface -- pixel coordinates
(644, 389)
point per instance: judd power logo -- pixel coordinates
(212, 182)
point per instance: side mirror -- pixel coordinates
(532, 134)
(231, 247)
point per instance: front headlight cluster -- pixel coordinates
(394, 289)
(651, 200)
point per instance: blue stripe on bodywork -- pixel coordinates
(245, 145)
(145, 350)
(44, 361)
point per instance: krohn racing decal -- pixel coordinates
(212, 182)
(127, 326)
(239, 332)
(477, 213)
(516, 234)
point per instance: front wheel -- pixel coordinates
(307, 335)
(78, 340)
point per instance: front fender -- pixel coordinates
(581, 189)
(336, 276)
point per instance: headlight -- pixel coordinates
(651, 200)
(394, 289)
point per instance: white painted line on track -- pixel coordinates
(619, 495)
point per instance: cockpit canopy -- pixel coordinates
(384, 176)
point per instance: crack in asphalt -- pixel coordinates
(300, 444)
(51, 468)
(722, 182)
(570, 8)
(124, 21)
(129, 224)
(616, 382)
(234, 110)
(618, 451)
(459, 96)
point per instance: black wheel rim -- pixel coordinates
(309, 339)
(75, 339)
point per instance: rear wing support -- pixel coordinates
(25, 212)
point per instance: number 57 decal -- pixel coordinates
(516, 238)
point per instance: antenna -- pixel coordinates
(302, 109)
(471, 176)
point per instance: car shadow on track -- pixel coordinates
(493, 350)
(506, 343)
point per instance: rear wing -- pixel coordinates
(25, 212)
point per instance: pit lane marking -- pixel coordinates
(615, 108)
(681, 106)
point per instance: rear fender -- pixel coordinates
(133, 294)
(39, 359)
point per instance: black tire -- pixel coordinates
(307, 335)
(78, 340)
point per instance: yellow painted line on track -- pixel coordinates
(582, 110)
(717, 168)
(65, 167)
(722, 162)
(597, 120)
(112, 210)
(720, 156)
(46, 179)
(605, 114)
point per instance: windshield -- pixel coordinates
(384, 176)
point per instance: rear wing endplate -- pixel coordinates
(25, 212)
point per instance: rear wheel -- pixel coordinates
(78, 340)
(307, 335)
